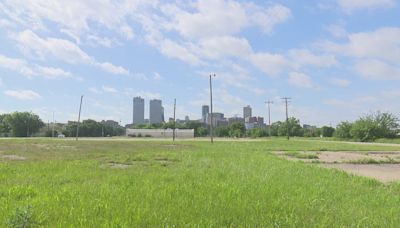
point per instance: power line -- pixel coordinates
(287, 99)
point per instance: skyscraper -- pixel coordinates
(156, 111)
(205, 110)
(246, 111)
(138, 110)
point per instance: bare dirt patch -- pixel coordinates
(115, 165)
(383, 166)
(382, 172)
(13, 157)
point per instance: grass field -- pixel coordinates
(133, 183)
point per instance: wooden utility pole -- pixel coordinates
(286, 99)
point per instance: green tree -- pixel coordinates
(237, 130)
(23, 124)
(327, 131)
(5, 128)
(343, 130)
(295, 128)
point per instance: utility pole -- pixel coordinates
(79, 119)
(52, 129)
(173, 130)
(211, 113)
(286, 99)
(269, 116)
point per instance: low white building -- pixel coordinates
(160, 133)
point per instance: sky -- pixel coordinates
(338, 59)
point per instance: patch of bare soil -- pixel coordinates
(13, 157)
(383, 166)
(382, 172)
(115, 165)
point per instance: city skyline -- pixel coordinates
(51, 54)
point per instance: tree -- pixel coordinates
(257, 132)
(327, 131)
(237, 130)
(23, 124)
(374, 126)
(280, 128)
(5, 128)
(343, 130)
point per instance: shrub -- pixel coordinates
(23, 217)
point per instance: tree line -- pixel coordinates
(27, 124)
(367, 128)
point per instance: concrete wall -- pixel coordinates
(161, 133)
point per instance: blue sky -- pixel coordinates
(336, 59)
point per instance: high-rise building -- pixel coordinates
(138, 111)
(205, 110)
(246, 111)
(156, 111)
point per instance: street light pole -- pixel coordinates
(211, 107)
(79, 119)
(173, 131)
(269, 116)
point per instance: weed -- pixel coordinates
(22, 218)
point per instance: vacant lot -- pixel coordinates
(133, 183)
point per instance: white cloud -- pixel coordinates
(62, 49)
(218, 47)
(95, 90)
(209, 18)
(52, 73)
(268, 18)
(23, 68)
(157, 76)
(337, 31)
(339, 82)
(112, 68)
(353, 5)
(79, 17)
(377, 70)
(304, 57)
(301, 80)
(270, 64)
(383, 43)
(22, 94)
(109, 89)
(65, 50)
(175, 50)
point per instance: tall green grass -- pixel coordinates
(73, 184)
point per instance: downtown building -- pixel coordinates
(246, 112)
(205, 110)
(138, 111)
(156, 111)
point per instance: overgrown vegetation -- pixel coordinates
(192, 183)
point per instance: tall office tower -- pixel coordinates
(138, 110)
(246, 111)
(156, 111)
(205, 110)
